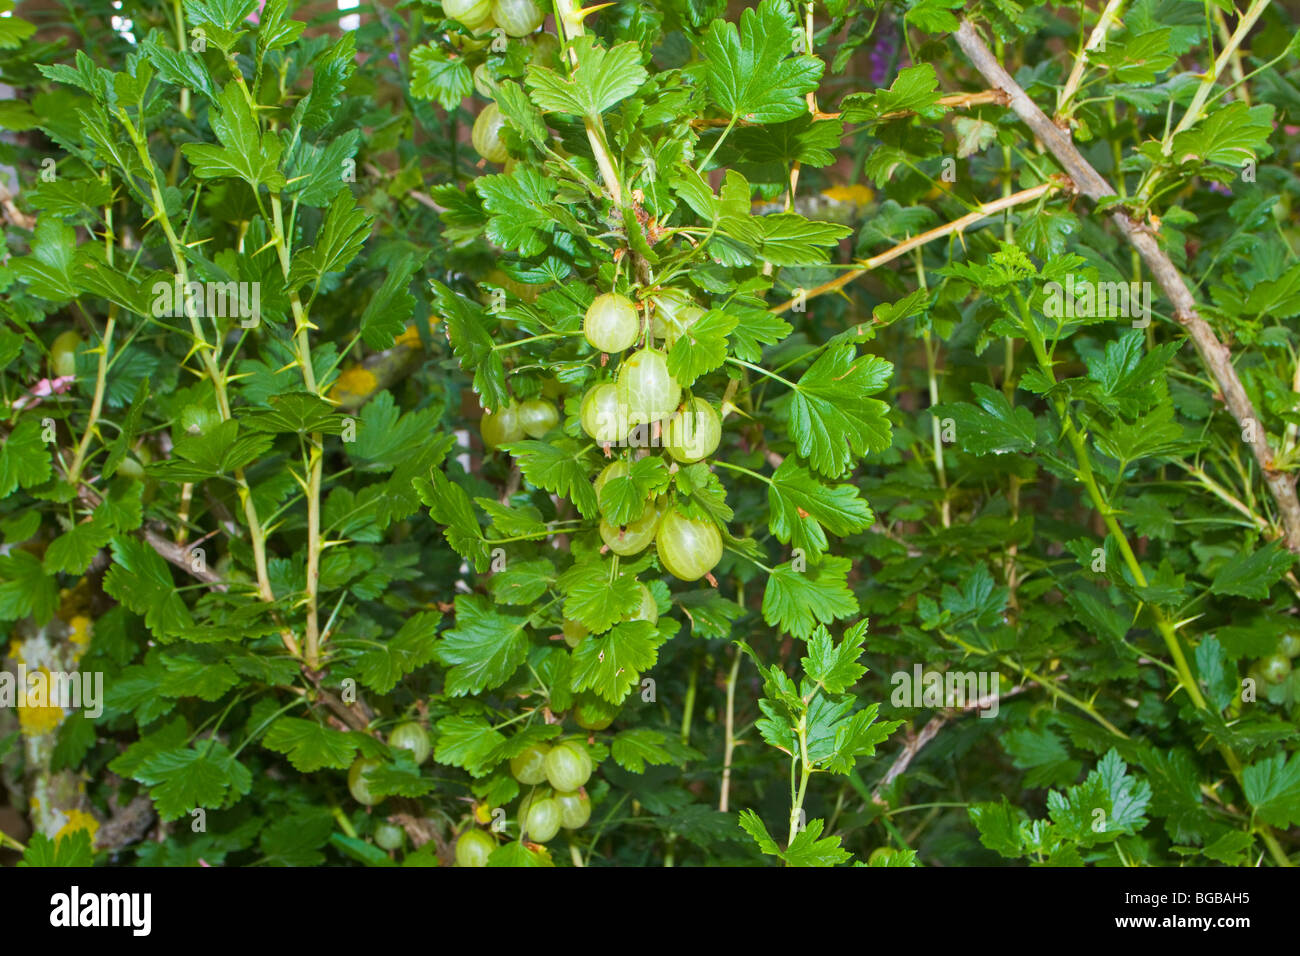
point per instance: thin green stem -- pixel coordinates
(209, 358)
(716, 143)
(688, 708)
(763, 371)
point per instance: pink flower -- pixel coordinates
(43, 390)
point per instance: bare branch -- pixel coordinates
(951, 100)
(929, 732)
(907, 245)
(171, 552)
(1214, 354)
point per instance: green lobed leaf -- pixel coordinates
(752, 73)
(832, 419)
(484, 648)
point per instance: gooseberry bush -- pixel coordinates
(515, 434)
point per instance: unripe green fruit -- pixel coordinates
(646, 389)
(881, 855)
(592, 713)
(486, 134)
(469, 13)
(615, 469)
(574, 633)
(688, 549)
(484, 85)
(542, 819)
(611, 323)
(575, 809)
(413, 737)
(633, 537)
(473, 847)
(537, 417)
(129, 467)
(694, 432)
(647, 610)
(1256, 674)
(603, 418)
(481, 36)
(529, 767)
(674, 313)
(1288, 645)
(1275, 668)
(524, 290)
(63, 354)
(518, 17)
(546, 48)
(665, 306)
(568, 766)
(389, 836)
(357, 784)
(501, 427)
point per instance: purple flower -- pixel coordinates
(882, 54)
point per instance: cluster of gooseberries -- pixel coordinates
(512, 422)
(557, 799)
(640, 394)
(1276, 667)
(643, 391)
(643, 394)
(410, 736)
(516, 18)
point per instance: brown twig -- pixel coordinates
(955, 101)
(179, 556)
(929, 732)
(12, 213)
(422, 831)
(356, 715)
(1214, 354)
(907, 245)
(171, 552)
(952, 101)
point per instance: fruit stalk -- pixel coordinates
(97, 403)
